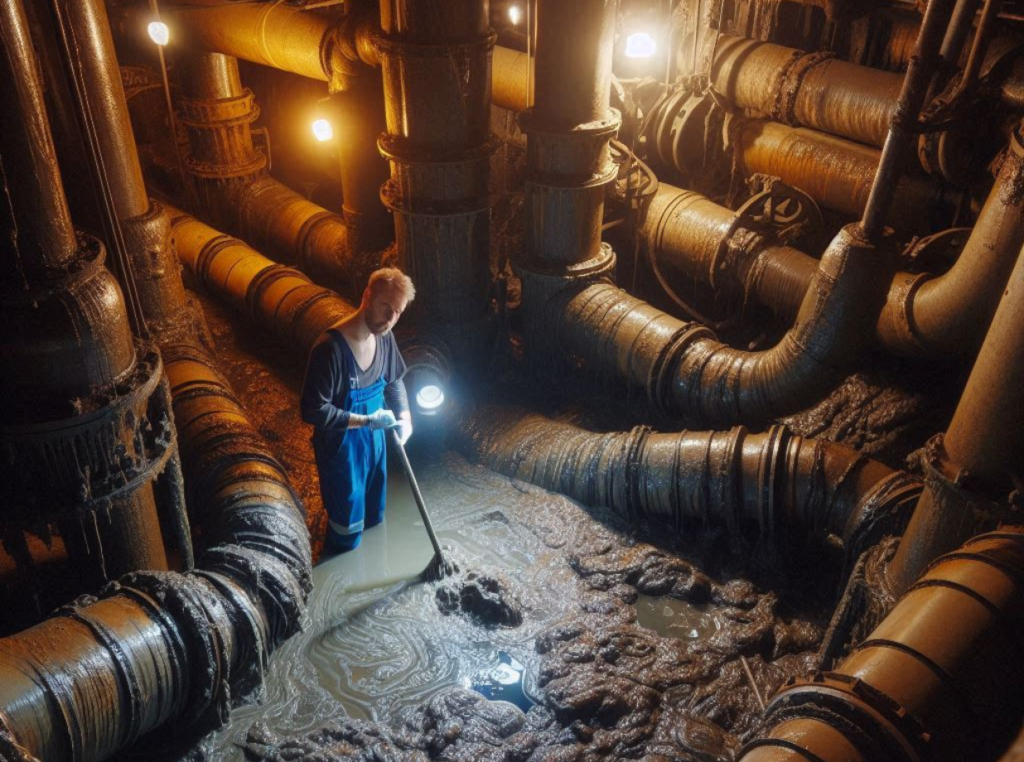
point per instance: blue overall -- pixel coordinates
(353, 470)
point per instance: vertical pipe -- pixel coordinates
(38, 238)
(435, 62)
(902, 129)
(971, 465)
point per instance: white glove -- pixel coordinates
(381, 419)
(404, 429)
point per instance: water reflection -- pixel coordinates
(673, 618)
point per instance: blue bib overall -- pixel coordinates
(353, 469)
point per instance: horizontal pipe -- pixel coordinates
(292, 39)
(159, 646)
(682, 368)
(808, 89)
(924, 315)
(836, 173)
(938, 679)
(773, 485)
(278, 298)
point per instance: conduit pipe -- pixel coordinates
(924, 315)
(161, 647)
(971, 468)
(806, 89)
(235, 191)
(279, 299)
(316, 46)
(774, 486)
(939, 679)
(683, 369)
(85, 431)
(435, 62)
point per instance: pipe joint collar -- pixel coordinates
(871, 720)
(950, 481)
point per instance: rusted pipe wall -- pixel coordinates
(836, 173)
(938, 679)
(923, 315)
(976, 463)
(295, 40)
(775, 486)
(682, 368)
(435, 63)
(159, 647)
(808, 89)
(568, 133)
(78, 391)
(277, 298)
(236, 193)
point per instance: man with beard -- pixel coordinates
(353, 392)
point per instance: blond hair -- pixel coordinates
(394, 278)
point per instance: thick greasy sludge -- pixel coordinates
(392, 679)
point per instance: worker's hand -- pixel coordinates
(381, 419)
(404, 428)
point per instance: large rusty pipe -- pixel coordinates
(682, 368)
(236, 192)
(75, 390)
(836, 173)
(435, 64)
(159, 647)
(808, 89)
(775, 486)
(292, 39)
(277, 298)
(923, 315)
(976, 462)
(90, 42)
(45, 241)
(938, 679)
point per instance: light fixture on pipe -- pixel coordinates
(159, 33)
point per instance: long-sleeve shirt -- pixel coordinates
(332, 370)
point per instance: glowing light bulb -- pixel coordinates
(430, 397)
(514, 14)
(640, 45)
(159, 33)
(322, 130)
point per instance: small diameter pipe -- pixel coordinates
(938, 679)
(773, 485)
(902, 135)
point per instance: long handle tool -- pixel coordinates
(439, 565)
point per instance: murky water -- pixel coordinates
(674, 618)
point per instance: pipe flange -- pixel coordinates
(769, 476)
(790, 81)
(221, 113)
(399, 47)
(208, 170)
(879, 726)
(89, 256)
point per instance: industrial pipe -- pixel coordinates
(973, 466)
(806, 89)
(681, 368)
(774, 486)
(80, 411)
(235, 191)
(315, 46)
(938, 679)
(277, 298)
(924, 315)
(435, 62)
(159, 647)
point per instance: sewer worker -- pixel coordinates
(352, 393)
